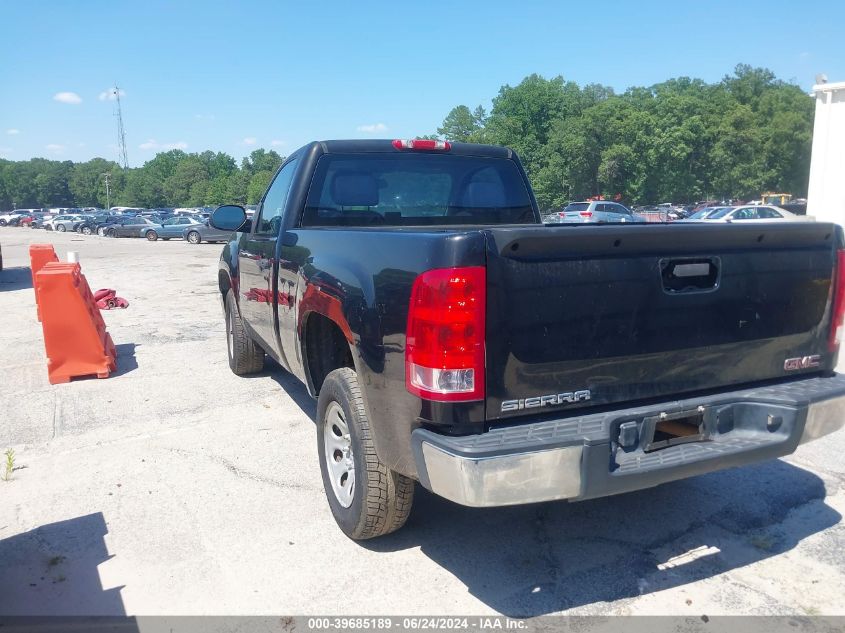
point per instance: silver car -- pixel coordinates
(203, 232)
(596, 211)
(754, 213)
(62, 223)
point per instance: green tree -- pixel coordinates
(258, 185)
(463, 125)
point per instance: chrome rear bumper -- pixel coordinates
(577, 458)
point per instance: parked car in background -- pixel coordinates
(129, 226)
(111, 221)
(39, 221)
(205, 233)
(704, 212)
(90, 223)
(29, 218)
(9, 216)
(173, 227)
(600, 211)
(754, 213)
(62, 223)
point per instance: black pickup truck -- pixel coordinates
(454, 340)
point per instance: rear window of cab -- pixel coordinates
(415, 190)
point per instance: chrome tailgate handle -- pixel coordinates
(688, 275)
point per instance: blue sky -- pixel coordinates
(234, 76)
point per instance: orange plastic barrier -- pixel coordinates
(75, 334)
(39, 255)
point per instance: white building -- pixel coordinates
(826, 194)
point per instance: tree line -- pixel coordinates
(678, 141)
(171, 179)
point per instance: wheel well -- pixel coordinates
(326, 349)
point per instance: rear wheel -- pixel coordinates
(194, 237)
(366, 497)
(61, 228)
(111, 233)
(245, 355)
(152, 236)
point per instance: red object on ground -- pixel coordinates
(75, 336)
(39, 255)
(107, 299)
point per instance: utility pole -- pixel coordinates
(107, 175)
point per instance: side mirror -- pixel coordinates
(229, 217)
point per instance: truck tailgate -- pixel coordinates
(584, 316)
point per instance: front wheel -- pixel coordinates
(366, 497)
(194, 237)
(101, 232)
(245, 355)
(3, 223)
(152, 236)
(85, 230)
(61, 228)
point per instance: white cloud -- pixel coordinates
(111, 94)
(250, 140)
(204, 117)
(278, 143)
(54, 148)
(67, 97)
(373, 128)
(12, 131)
(5, 150)
(153, 144)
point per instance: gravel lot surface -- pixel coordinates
(175, 487)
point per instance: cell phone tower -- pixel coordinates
(121, 133)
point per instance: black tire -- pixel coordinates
(245, 355)
(152, 236)
(61, 228)
(381, 498)
(164, 239)
(194, 237)
(3, 222)
(111, 233)
(85, 230)
(101, 232)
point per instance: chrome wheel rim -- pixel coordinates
(340, 464)
(192, 238)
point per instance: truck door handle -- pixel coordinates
(689, 275)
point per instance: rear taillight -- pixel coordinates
(837, 320)
(444, 351)
(586, 214)
(423, 144)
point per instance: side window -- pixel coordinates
(767, 213)
(270, 215)
(749, 213)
